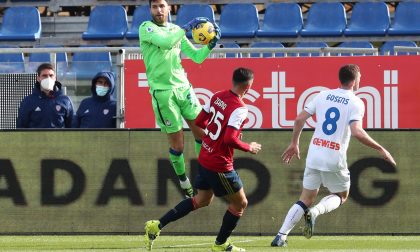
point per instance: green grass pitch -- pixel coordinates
(203, 243)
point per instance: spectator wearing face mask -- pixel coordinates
(47, 106)
(99, 110)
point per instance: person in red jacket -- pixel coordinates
(222, 120)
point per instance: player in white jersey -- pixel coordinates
(339, 115)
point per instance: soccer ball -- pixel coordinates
(203, 33)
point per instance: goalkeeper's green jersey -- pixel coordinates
(161, 47)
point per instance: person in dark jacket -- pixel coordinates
(99, 110)
(47, 106)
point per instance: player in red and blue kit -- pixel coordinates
(222, 120)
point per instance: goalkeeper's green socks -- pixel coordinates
(178, 163)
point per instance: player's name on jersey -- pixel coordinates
(218, 102)
(338, 99)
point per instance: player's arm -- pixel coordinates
(232, 135)
(202, 119)
(293, 148)
(198, 55)
(232, 138)
(164, 40)
(360, 134)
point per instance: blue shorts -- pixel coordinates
(222, 183)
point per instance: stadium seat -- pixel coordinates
(325, 19)
(141, 14)
(310, 44)
(281, 20)
(239, 21)
(85, 65)
(231, 45)
(368, 19)
(388, 47)
(266, 45)
(355, 44)
(406, 19)
(21, 24)
(12, 62)
(35, 59)
(189, 11)
(106, 22)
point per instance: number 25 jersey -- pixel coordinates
(225, 109)
(335, 109)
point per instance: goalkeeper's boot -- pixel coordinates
(227, 246)
(187, 188)
(278, 242)
(308, 230)
(152, 232)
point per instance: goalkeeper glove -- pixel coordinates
(216, 38)
(193, 23)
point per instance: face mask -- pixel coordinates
(48, 84)
(101, 90)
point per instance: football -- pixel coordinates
(203, 33)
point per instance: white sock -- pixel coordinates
(185, 184)
(326, 205)
(292, 218)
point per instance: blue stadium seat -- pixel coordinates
(368, 19)
(266, 45)
(355, 44)
(189, 11)
(231, 45)
(106, 22)
(388, 47)
(239, 21)
(21, 24)
(35, 59)
(310, 44)
(85, 65)
(281, 20)
(325, 19)
(141, 14)
(406, 19)
(12, 62)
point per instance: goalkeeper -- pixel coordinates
(173, 97)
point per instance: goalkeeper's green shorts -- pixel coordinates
(171, 105)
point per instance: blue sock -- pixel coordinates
(183, 208)
(228, 225)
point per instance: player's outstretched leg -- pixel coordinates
(308, 230)
(278, 242)
(152, 230)
(227, 246)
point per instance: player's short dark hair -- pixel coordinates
(44, 66)
(348, 73)
(151, 1)
(242, 75)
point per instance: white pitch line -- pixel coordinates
(200, 244)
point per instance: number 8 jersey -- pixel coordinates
(224, 110)
(335, 109)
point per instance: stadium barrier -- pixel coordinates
(120, 55)
(107, 181)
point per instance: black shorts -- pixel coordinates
(222, 183)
